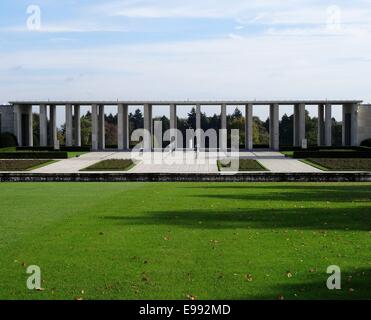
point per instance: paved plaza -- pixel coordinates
(177, 162)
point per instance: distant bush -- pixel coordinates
(7, 140)
(366, 143)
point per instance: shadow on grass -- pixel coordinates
(354, 285)
(331, 193)
(298, 218)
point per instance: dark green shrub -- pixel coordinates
(34, 155)
(75, 149)
(7, 140)
(366, 143)
(332, 154)
(35, 149)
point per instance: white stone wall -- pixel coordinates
(7, 118)
(364, 122)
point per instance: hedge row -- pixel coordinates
(34, 155)
(62, 148)
(76, 149)
(319, 148)
(332, 154)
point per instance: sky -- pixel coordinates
(179, 50)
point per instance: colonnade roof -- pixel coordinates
(188, 102)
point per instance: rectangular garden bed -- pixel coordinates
(241, 164)
(21, 165)
(341, 164)
(112, 165)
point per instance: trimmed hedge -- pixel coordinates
(320, 148)
(7, 140)
(332, 154)
(62, 148)
(366, 143)
(35, 149)
(34, 155)
(76, 149)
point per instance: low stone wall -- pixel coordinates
(193, 177)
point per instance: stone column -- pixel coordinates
(350, 117)
(147, 145)
(94, 127)
(321, 125)
(173, 125)
(123, 127)
(43, 123)
(29, 142)
(77, 125)
(328, 126)
(69, 125)
(299, 124)
(274, 127)
(249, 127)
(198, 127)
(223, 128)
(18, 123)
(53, 127)
(101, 129)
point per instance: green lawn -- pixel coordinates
(112, 165)
(243, 165)
(173, 240)
(75, 154)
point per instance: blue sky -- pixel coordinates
(170, 49)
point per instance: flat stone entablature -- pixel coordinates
(189, 102)
(23, 121)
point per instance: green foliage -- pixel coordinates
(243, 165)
(339, 154)
(366, 143)
(8, 139)
(34, 155)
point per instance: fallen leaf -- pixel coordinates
(289, 274)
(249, 277)
(191, 297)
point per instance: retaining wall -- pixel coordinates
(242, 177)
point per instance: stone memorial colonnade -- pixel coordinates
(23, 121)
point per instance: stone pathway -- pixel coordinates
(73, 165)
